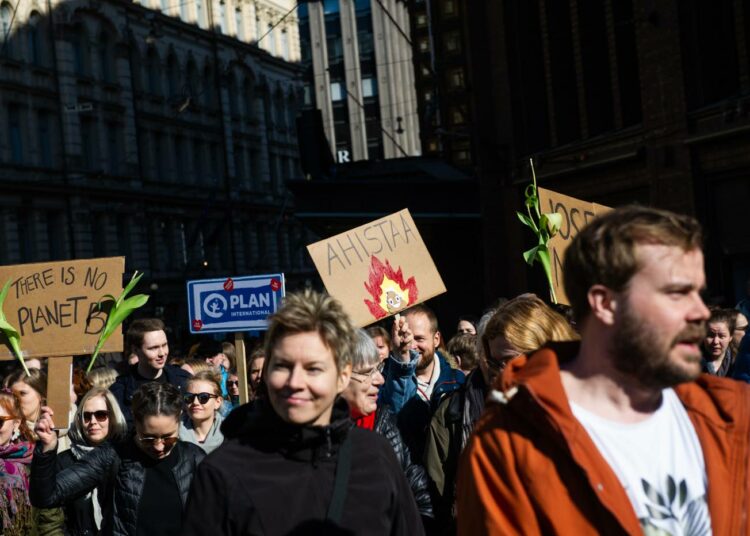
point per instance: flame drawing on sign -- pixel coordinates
(388, 289)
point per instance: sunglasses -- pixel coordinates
(203, 398)
(149, 441)
(230, 383)
(100, 415)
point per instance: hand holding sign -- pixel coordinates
(402, 338)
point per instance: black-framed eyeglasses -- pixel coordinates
(231, 383)
(100, 415)
(367, 375)
(150, 441)
(203, 398)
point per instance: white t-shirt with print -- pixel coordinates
(660, 464)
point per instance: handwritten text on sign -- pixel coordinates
(377, 269)
(575, 215)
(54, 305)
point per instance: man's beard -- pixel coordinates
(425, 361)
(638, 351)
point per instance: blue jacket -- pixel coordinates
(399, 392)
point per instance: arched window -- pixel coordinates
(193, 81)
(279, 115)
(291, 113)
(173, 76)
(80, 43)
(232, 93)
(34, 34)
(153, 72)
(208, 87)
(106, 59)
(6, 25)
(248, 96)
(239, 22)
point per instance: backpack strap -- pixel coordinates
(341, 482)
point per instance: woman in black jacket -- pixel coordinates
(362, 396)
(97, 420)
(304, 468)
(145, 479)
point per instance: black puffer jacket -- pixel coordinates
(385, 425)
(119, 468)
(288, 480)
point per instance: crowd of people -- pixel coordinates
(626, 412)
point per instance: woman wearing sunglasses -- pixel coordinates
(305, 468)
(145, 478)
(202, 421)
(98, 419)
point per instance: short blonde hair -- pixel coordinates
(102, 377)
(208, 376)
(197, 365)
(308, 311)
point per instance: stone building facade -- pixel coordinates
(125, 130)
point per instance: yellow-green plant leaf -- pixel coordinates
(530, 255)
(11, 333)
(121, 309)
(526, 220)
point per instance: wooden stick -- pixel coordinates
(239, 348)
(59, 380)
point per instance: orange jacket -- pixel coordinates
(531, 468)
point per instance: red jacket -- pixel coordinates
(531, 467)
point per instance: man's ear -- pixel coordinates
(437, 338)
(603, 304)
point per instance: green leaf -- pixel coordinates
(10, 332)
(121, 309)
(530, 255)
(526, 220)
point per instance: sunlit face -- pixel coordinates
(383, 349)
(464, 326)
(94, 429)
(362, 391)
(256, 372)
(7, 427)
(425, 341)
(717, 340)
(216, 360)
(163, 428)
(740, 328)
(154, 350)
(202, 412)
(660, 318)
(302, 379)
(29, 399)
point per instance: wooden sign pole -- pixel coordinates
(239, 348)
(59, 380)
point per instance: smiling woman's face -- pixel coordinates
(302, 379)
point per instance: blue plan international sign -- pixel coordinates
(233, 303)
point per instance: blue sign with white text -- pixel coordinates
(233, 303)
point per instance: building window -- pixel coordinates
(258, 28)
(34, 33)
(6, 20)
(164, 6)
(223, 18)
(173, 76)
(88, 143)
(458, 115)
(200, 11)
(208, 87)
(105, 58)
(44, 133)
(456, 79)
(15, 135)
(336, 93)
(80, 51)
(449, 8)
(153, 72)
(369, 87)
(113, 149)
(179, 156)
(238, 23)
(199, 167)
(421, 20)
(285, 45)
(452, 43)
(424, 44)
(271, 39)
(184, 15)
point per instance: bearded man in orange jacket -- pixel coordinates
(620, 433)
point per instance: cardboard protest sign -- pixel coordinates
(377, 269)
(575, 215)
(54, 306)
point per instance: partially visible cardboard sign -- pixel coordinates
(234, 303)
(59, 378)
(54, 306)
(575, 215)
(377, 269)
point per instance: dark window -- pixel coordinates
(15, 135)
(563, 79)
(44, 133)
(627, 62)
(88, 143)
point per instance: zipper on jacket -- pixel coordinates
(329, 451)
